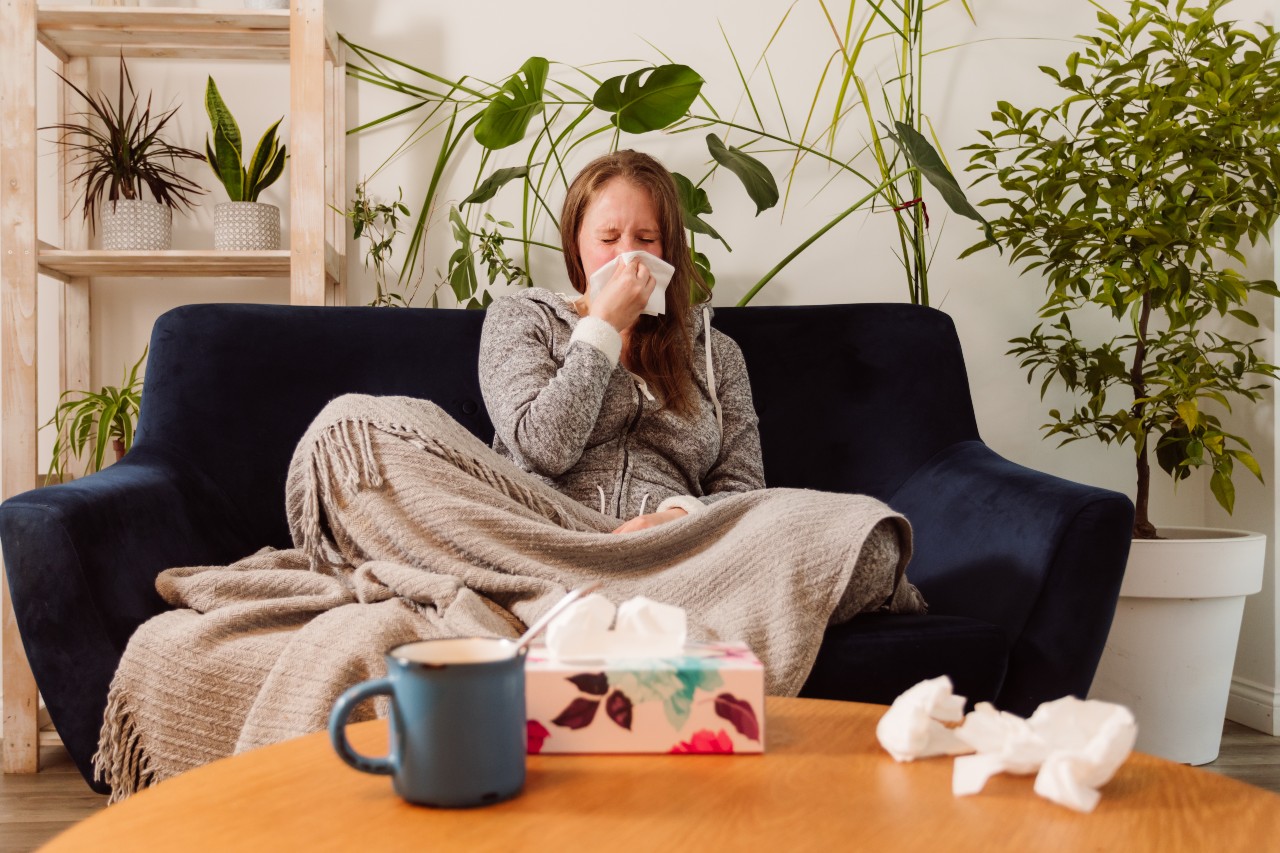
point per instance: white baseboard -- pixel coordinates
(1254, 705)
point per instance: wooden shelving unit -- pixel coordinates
(314, 262)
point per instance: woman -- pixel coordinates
(670, 430)
(407, 527)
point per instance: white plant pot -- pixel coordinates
(1172, 645)
(266, 4)
(135, 225)
(246, 226)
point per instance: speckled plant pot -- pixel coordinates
(130, 225)
(246, 226)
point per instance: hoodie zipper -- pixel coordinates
(626, 438)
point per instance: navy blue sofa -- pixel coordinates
(1021, 569)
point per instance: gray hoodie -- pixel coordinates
(565, 410)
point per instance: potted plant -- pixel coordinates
(243, 223)
(1133, 197)
(121, 153)
(85, 419)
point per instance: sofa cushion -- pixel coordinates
(876, 656)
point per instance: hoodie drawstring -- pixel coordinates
(711, 374)
(600, 489)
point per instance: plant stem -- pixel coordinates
(1142, 526)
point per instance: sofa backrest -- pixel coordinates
(851, 397)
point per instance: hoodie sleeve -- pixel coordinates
(544, 412)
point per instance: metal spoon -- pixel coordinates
(538, 627)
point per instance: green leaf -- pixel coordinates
(506, 119)
(265, 155)
(755, 176)
(1189, 411)
(1223, 490)
(694, 203)
(923, 156)
(490, 186)
(228, 167)
(649, 99)
(1244, 317)
(220, 117)
(703, 265)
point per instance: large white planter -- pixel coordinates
(1172, 646)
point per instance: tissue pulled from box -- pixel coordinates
(593, 629)
(1073, 746)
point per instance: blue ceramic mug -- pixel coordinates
(457, 721)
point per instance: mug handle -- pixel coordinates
(338, 727)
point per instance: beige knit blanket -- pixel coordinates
(407, 527)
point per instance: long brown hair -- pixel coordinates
(660, 349)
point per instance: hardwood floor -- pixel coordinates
(35, 808)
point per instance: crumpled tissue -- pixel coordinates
(593, 628)
(1073, 746)
(913, 726)
(661, 270)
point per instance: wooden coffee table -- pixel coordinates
(824, 783)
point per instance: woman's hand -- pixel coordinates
(624, 296)
(653, 519)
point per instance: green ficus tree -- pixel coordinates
(1134, 196)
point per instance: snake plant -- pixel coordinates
(225, 154)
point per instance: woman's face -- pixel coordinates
(621, 218)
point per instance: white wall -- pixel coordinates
(489, 39)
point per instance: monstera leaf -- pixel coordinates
(649, 99)
(507, 117)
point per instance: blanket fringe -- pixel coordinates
(121, 760)
(343, 462)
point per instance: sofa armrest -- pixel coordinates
(1040, 556)
(82, 559)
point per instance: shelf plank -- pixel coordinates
(156, 32)
(200, 263)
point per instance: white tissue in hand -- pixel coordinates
(645, 628)
(660, 269)
(912, 728)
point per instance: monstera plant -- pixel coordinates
(544, 112)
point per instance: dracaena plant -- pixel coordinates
(1133, 196)
(540, 118)
(243, 182)
(121, 151)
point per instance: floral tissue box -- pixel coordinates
(711, 699)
